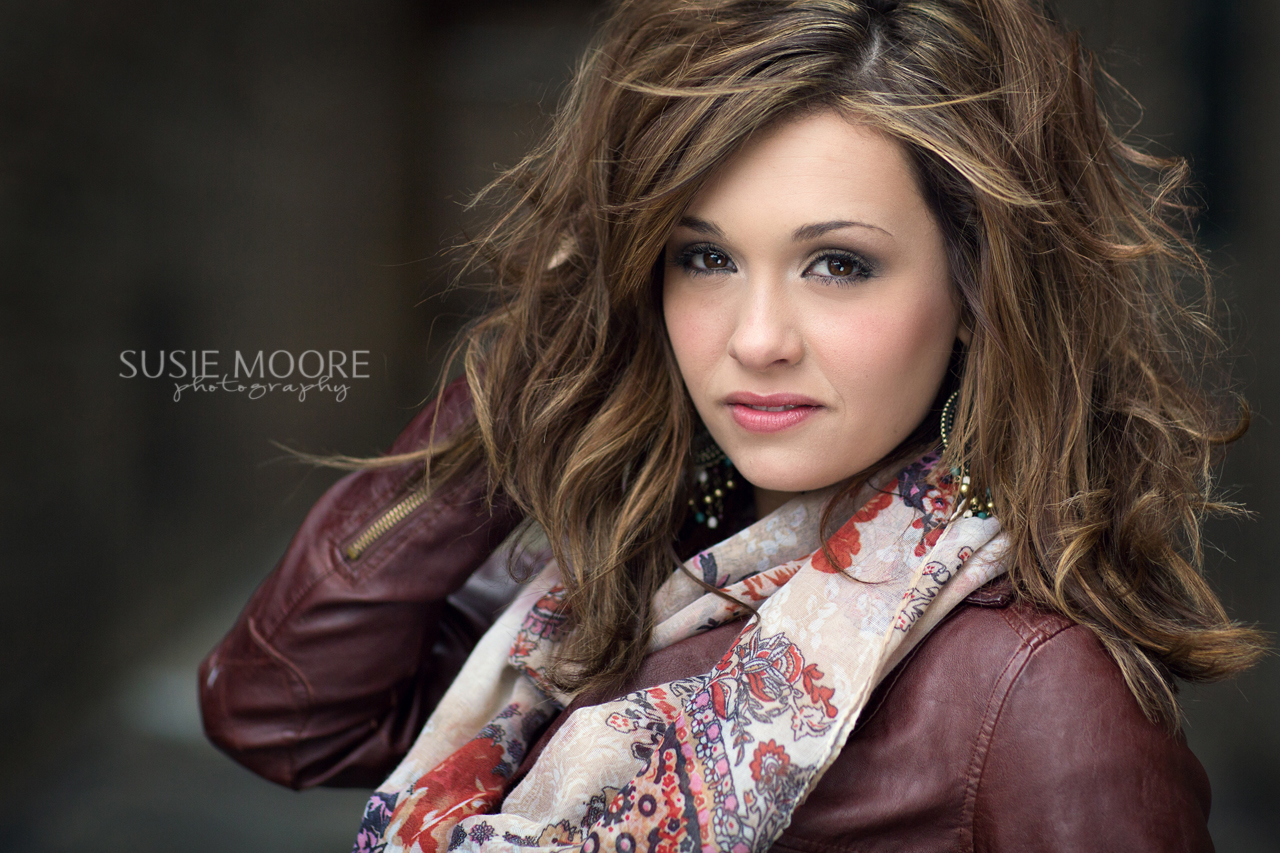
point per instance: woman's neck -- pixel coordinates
(767, 500)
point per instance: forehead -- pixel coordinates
(817, 163)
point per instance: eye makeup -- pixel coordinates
(837, 266)
(702, 259)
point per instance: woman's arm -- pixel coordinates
(336, 661)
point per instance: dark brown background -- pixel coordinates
(276, 175)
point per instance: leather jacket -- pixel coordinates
(1008, 728)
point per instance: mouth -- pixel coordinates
(772, 412)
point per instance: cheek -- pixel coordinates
(681, 324)
(694, 332)
(887, 365)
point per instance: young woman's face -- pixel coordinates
(809, 303)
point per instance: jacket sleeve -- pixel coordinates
(335, 663)
(1071, 763)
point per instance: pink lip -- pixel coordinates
(755, 420)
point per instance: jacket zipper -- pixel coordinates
(389, 519)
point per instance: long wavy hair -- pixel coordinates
(1083, 401)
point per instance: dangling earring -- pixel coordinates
(969, 504)
(713, 476)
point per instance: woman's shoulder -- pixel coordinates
(1065, 750)
(1009, 728)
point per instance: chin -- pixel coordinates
(789, 479)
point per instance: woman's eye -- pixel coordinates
(840, 266)
(714, 260)
(703, 259)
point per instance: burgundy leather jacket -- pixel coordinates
(1008, 728)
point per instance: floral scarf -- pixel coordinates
(718, 761)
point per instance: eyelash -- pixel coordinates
(862, 268)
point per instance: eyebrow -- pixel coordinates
(701, 226)
(800, 235)
(812, 232)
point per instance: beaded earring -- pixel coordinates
(969, 504)
(713, 476)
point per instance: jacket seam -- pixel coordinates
(995, 701)
(1031, 644)
(295, 601)
(289, 668)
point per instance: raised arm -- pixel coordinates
(340, 655)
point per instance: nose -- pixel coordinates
(767, 332)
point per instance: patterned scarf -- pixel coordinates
(713, 762)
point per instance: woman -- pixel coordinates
(874, 288)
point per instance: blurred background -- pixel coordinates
(274, 175)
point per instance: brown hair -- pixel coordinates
(1081, 403)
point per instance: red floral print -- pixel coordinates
(463, 784)
(847, 542)
(937, 504)
(810, 676)
(770, 761)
